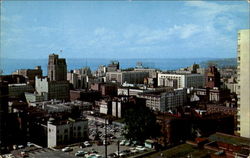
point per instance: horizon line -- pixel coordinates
(111, 58)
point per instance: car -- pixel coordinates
(67, 149)
(29, 144)
(82, 145)
(80, 153)
(87, 144)
(20, 146)
(134, 143)
(133, 150)
(113, 137)
(93, 151)
(105, 142)
(140, 148)
(122, 142)
(98, 156)
(93, 156)
(122, 154)
(112, 155)
(127, 152)
(24, 154)
(127, 143)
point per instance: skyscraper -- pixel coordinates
(243, 69)
(57, 68)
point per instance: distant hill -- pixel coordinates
(220, 63)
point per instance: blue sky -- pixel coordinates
(124, 29)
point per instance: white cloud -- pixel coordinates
(212, 7)
(176, 31)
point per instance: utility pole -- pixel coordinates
(118, 150)
(106, 143)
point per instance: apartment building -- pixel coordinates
(243, 71)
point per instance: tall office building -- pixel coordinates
(57, 68)
(3, 115)
(243, 69)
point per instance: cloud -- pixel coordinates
(211, 26)
(176, 31)
(212, 7)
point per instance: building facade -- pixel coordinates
(113, 66)
(52, 89)
(165, 101)
(152, 72)
(213, 77)
(133, 77)
(243, 69)
(30, 74)
(62, 132)
(183, 80)
(18, 90)
(57, 68)
(33, 97)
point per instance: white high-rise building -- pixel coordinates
(243, 69)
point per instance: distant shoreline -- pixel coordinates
(10, 65)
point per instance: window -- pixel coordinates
(66, 131)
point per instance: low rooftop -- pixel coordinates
(230, 139)
(183, 150)
(65, 121)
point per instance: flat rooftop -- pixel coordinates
(65, 121)
(181, 151)
(230, 139)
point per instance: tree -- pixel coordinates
(140, 124)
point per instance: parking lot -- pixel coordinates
(114, 136)
(94, 145)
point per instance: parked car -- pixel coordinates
(67, 149)
(20, 146)
(93, 151)
(140, 148)
(113, 137)
(134, 143)
(112, 155)
(24, 154)
(105, 142)
(127, 143)
(80, 153)
(87, 144)
(122, 142)
(29, 144)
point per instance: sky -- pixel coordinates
(123, 29)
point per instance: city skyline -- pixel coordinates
(124, 29)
